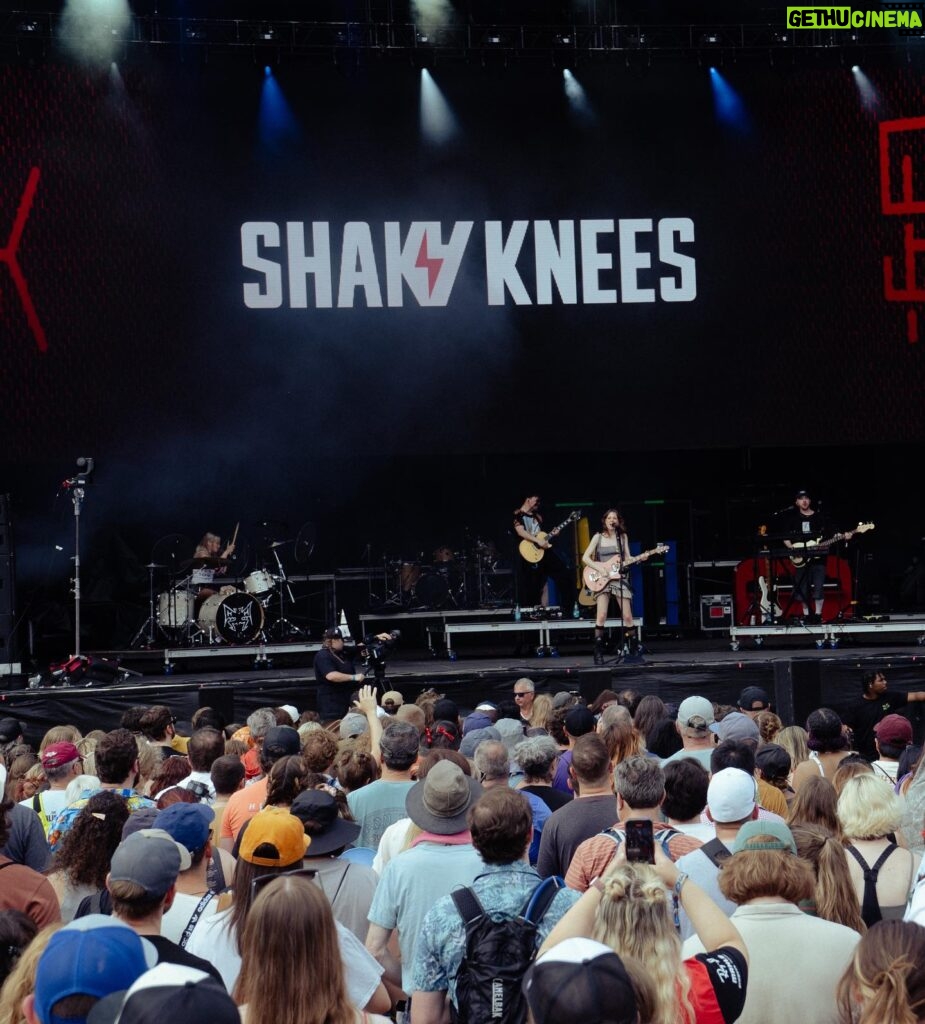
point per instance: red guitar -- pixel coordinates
(595, 580)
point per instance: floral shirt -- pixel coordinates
(502, 889)
(65, 818)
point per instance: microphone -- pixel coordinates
(85, 463)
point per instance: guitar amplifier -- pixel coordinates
(715, 611)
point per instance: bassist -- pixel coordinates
(532, 575)
(612, 542)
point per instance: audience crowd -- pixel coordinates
(699, 861)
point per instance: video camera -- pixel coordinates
(374, 651)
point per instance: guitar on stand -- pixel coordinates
(813, 548)
(530, 550)
(596, 581)
(768, 607)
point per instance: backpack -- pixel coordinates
(498, 953)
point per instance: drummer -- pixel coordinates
(203, 576)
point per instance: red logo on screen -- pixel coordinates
(432, 265)
(902, 160)
(9, 255)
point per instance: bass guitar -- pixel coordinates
(596, 581)
(531, 552)
(812, 547)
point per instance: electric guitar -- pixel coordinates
(768, 611)
(812, 546)
(529, 549)
(595, 580)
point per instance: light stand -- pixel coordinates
(77, 486)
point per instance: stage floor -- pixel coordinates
(789, 662)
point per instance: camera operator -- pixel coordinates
(334, 667)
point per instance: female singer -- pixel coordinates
(612, 542)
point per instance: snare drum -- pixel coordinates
(236, 619)
(175, 608)
(259, 582)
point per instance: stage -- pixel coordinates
(790, 662)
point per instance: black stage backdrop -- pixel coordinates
(623, 301)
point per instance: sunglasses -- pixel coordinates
(258, 883)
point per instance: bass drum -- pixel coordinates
(236, 619)
(432, 590)
(175, 608)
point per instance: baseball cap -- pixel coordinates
(802, 494)
(580, 979)
(895, 730)
(10, 728)
(93, 955)
(731, 795)
(764, 835)
(187, 824)
(168, 992)
(150, 858)
(564, 699)
(392, 697)
(735, 726)
(695, 713)
(579, 720)
(144, 817)
(773, 760)
(333, 633)
(281, 741)
(486, 705)
(751, 696)
(56, 755)
(474, 737)
(291, 710)
(274, 838)
(352, 724)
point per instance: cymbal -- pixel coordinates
(205, 562)
(155, 565)
(279, 543)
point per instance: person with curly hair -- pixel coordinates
(82, 860)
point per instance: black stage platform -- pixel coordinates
(787, 662)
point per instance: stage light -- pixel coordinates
(267, 70)
(870, 100)
(728, 105)
(277, 125)
(578, 101)
(438, 122)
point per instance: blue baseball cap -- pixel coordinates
(188, 824)
(94, 955)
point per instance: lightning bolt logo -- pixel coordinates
(9, 255)
(434, 266)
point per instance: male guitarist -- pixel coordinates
(532, 573)
(805, 525)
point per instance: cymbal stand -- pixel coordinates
(283, 628)
(147, 627)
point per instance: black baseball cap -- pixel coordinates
(333, 633)
(752, 695)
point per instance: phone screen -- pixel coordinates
(640, 840)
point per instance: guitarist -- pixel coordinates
(611, 542)
(803, 524)
(532, 576)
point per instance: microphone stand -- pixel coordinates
(78, 493)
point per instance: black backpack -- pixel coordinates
(498, 953)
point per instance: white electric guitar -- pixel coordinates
(595, 580)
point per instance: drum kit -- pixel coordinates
(197, 608)
(451, 579)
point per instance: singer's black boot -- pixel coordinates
(598, 647)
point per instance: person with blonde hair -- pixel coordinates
(291, 966)
(850, 766)
(885, 981)
(793, 739)
(632, 908)
(20, 982)
(767, 881)
(834, 898)
(542, 705)
(883, 873)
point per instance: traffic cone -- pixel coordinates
(344, 628)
